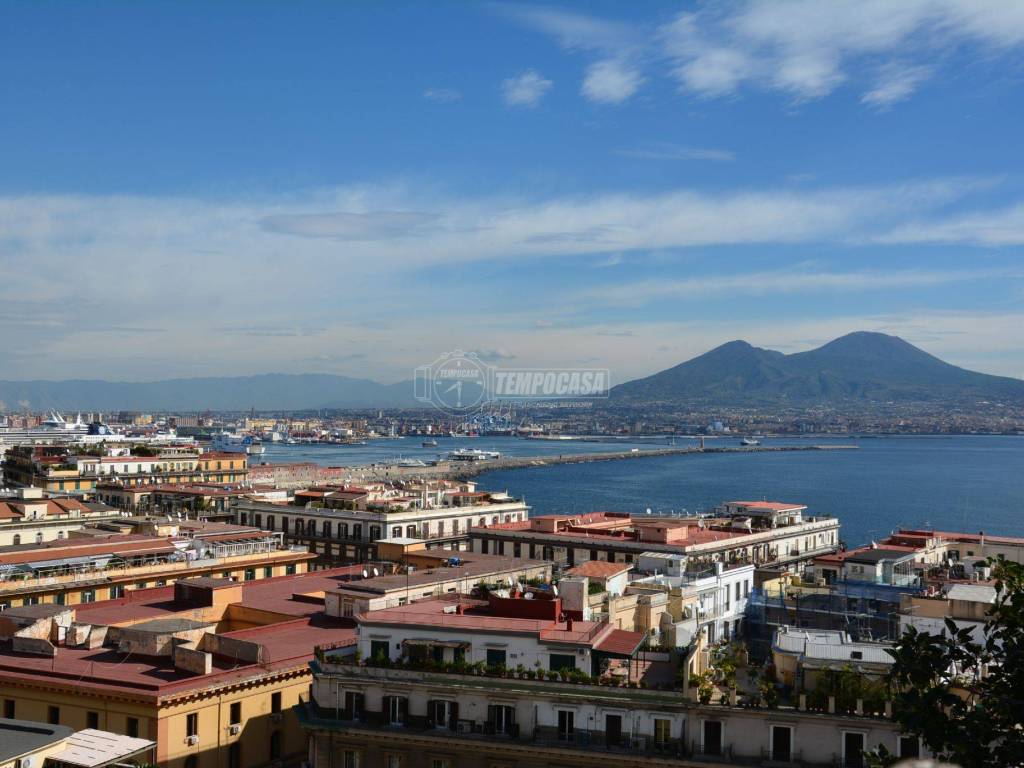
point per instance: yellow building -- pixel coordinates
(209, 669)
(25, 743)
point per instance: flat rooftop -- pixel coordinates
(292, 605)
(20, 737)
(473, 566)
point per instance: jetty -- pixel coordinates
(468, 469)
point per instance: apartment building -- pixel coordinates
(344, 523)
(97, 564)
(767, 534)
(31, 516)
(208, 668)
(458, 682)
(71, 469)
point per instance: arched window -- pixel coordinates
(327, 528)
(17, 538)
(483, 521)
(342, 530)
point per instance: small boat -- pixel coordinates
(749, 441)
(430, 443)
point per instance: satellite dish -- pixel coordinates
(648, 510)
(376, 572)
(528, 596)
(365, 574)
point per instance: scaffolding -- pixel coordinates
(865, 611)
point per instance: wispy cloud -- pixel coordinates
(996, 228)
(788, 282)
(442, 95)
(667, 151)
(526, 89)
(373, 225)
(611, 81)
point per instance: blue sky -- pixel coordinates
(194, 188)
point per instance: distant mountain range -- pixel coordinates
(860, 366)
(271, 391)
(865, 367)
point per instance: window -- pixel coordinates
(662, 730)
(380, 649)
(910, 746)
(410, 531)
(351, 759)
(392, 761)
(250, 574)
(39, 538)
(270, 522)
(496, 657)
(59, 598)
(132, 727)
(9, 709)
(746, 588)
(443, 714)
(501, 718)
(353, 706)
(559, 661)
(116, 591)
(396, 532)
(92, 720)
(284, 525)
(236, 713)
(438, 762)
(853, 749)
(396, 707)
(566, 725)
(17, 538)
(290, 569)
(268, 571)
(737, 590)
(782, 743)
(275, 745)
(275, 701)
(192, 724)
(53, 715)
(613, 730)
(712, 741)
(327, 528)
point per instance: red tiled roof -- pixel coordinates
(598, 569)
(620, 642)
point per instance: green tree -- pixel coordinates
(965, 699)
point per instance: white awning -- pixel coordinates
(92, 749)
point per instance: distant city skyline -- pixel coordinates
(194, 190)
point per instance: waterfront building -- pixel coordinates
(770, 535)
(70, 469)
(30, 516)
(132, 554)
(344, 523)
(461, 682)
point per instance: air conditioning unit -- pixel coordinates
(192, 740)
(234, 729)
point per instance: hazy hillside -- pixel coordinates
(859, 366)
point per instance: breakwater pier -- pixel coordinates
(468, 469)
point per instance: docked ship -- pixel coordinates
(232, 442)
(430, 443)
(749, 441)
(55, 427)
(472, 454)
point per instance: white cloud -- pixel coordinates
(526, 89)
(788, 282)
(442, 95)
(896, 83)
(575, 31)
(668, 151)
(806, 48)
(996, 228)
(611, 82)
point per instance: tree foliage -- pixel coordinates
(964, 698)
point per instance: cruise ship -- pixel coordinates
(55, 427)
